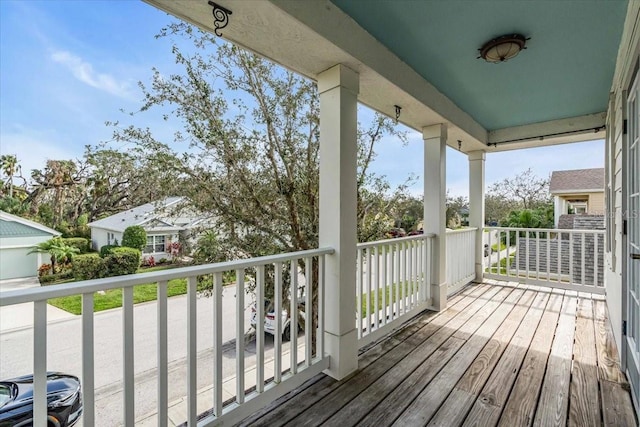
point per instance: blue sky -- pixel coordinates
(66, 67)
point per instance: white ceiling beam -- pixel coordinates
(574, 129)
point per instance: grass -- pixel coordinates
(503, 266)
(113, 297)
(494, 247)
(391, 297)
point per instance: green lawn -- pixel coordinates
(503, 265)
(113, 298)
(391, 297)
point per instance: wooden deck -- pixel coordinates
(500, 354)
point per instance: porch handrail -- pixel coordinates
(392, 283)
(570, 259)
(91, 286)
(461, 249)
(285, 379)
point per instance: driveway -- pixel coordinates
(21, 315)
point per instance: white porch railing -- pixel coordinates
(247, 400)
(460, 258)
(567, 259)
(392, 284)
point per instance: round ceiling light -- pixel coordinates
(502, 48)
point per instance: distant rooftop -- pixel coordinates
(135, 216)
(578, 180)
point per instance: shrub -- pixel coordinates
(107, 250)
(89, 266)
(134, 237)
(81, 243)
(122, 261)
(150, 261)
(163, 261)
(49, 278)
(44, 269)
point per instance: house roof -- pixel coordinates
(15, 226)
(570, 181)
(149, 216)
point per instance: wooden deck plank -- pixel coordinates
(497, 354)
(608, 367)
(554, 396)
(443, 327)
(584, 407)
(507, 358)
(617, 409)
(521, 403)
(386, 411)
(426, 404)
(283, 411)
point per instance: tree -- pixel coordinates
(134, 237)
(9, 166)
(497, 208)
(529, 190)
(252, 165)
(58, 251)
(454, 205)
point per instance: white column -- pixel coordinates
(476, 205)
(559, 208)
(435, 194)
(338, 88)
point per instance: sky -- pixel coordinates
(67, 67)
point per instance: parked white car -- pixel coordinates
(285, 319)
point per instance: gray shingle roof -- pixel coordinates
(136, 216)
(14, 226)
(577, 180)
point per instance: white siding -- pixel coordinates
(99, 237)
(625, 66)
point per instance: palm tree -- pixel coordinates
(57, 250)
(9, 166)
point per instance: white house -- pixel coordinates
(18, 236)
(164, 221)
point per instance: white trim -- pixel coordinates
(18, 246)
(552, 132)
(12, 218)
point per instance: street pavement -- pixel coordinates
(64, 343)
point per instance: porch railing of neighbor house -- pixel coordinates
(308, 361)
(559, 258)
(392, 278)
(460, 258)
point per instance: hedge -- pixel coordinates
(107, 250)
(122, 261)
(89, 266)
(78, 242)
(45, 280)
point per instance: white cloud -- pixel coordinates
(85, 72)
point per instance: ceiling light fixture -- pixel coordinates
(502, 48)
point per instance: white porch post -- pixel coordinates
(476, 205)
(435, 194)
(338, 88)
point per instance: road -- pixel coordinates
(64, 351)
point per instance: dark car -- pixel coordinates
(64, 401)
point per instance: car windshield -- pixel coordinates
(5, 394)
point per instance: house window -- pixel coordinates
(110, 238)
(155, 244)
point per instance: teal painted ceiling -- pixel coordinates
(566, 70)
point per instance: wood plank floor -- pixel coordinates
(500, 354)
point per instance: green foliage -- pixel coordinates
(123, 261)
(134, 237)
(50, 278)
(107, 250)
(81, 243)
(89, 266)
(58, 250)
(207, 249)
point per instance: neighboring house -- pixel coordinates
(18, 236)
(579, 191)
(164, 221)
